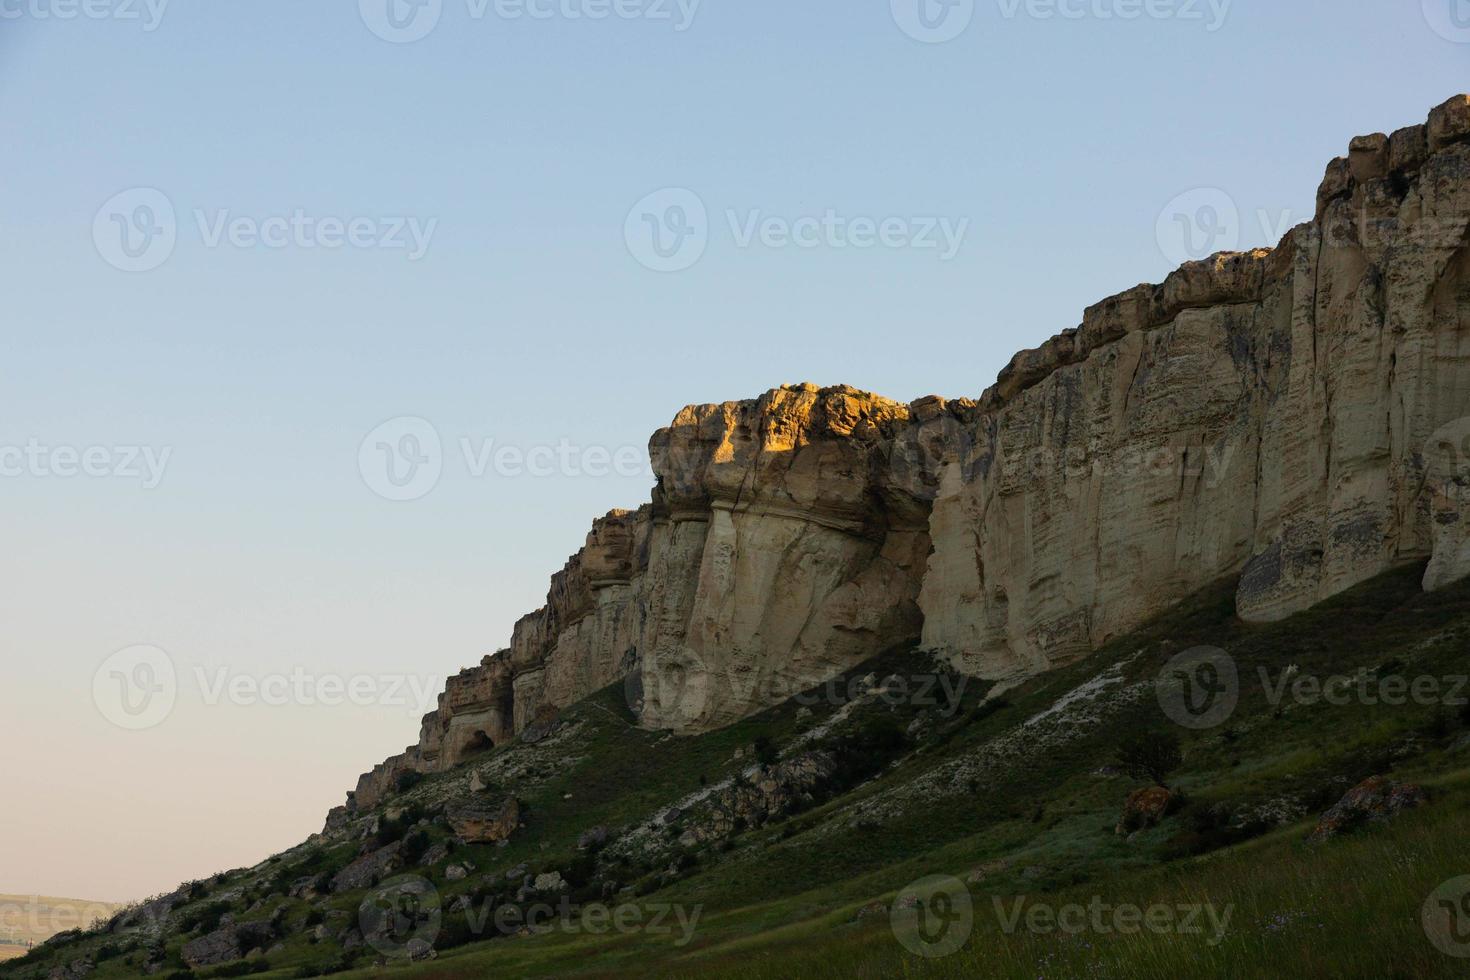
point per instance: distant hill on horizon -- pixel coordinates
(36, 918)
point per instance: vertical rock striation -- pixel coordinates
(1294, 415)
(1298, 416)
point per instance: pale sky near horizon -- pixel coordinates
(237, 238)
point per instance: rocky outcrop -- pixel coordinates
(785, 542)
(759, 796)
(229, 943)
(789, 537)
(1270, 414)
(1374, 800)
(369, 869)
(1143, 809)
(1296, 417)
(480, 822)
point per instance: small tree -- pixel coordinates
(1152, 756)
(765, 750)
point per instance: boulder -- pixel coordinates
(754, 800)
(1449, 123)
(549, 882)
(1374, 800)
(1408, 148)
(369, 870)
(309, 887)
(1144, 808)
(75, 970)
(483, 822)
(436, 854)
(228, 943)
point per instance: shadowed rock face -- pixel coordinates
(1297, 416)
(1294, 415)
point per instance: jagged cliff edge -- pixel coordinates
(1299, 415)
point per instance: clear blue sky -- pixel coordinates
(528, 320)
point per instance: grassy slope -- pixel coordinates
(781, 899)
(777, 908)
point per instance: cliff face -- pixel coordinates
(785, 541)
(1288, 414)
(1300, 416)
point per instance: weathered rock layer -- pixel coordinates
(1297, 416)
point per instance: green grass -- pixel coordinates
(781, 899)
(1350, 908)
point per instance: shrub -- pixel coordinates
(1153, 756)
(581, 870)
(864, 751)
(394, 830)
(1208, 827)
(415, 844)
(204, 918)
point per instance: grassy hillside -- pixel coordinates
(788, 844)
